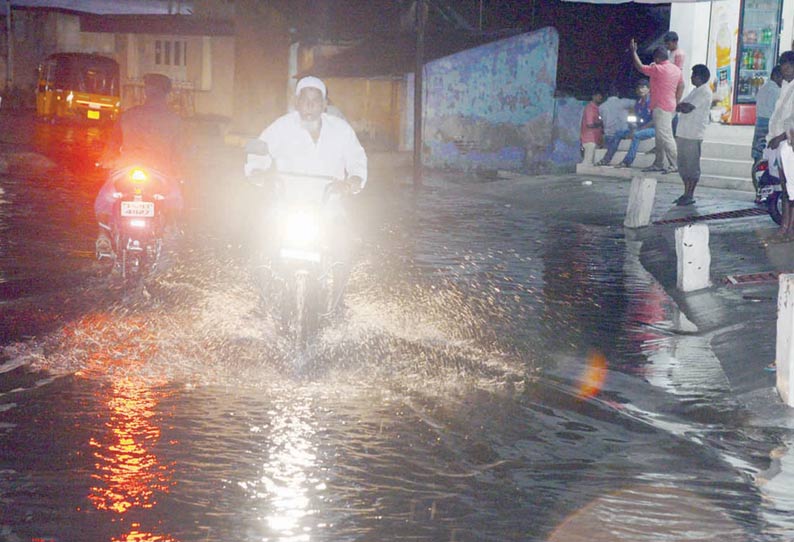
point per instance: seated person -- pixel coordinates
(614, 113)
(643, 128)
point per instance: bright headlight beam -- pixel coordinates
(301, 227)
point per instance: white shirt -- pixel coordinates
(781, 119)
(692, 125)
(614, 113)
(337, 153)
(765, 99)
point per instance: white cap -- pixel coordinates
(310, 82)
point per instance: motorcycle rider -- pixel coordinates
(309, 141)
(149, 135)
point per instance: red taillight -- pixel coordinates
(763, 166)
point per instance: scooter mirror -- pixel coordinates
(256, 146)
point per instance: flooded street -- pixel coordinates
(506, 369)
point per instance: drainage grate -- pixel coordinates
(752, 278)
(740, 213)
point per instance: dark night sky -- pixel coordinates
(593, 38)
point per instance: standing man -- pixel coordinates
(667, 86)
(694, 111)
(780, 124)
(591, 132)
(644, 125)
(614, 115)
(676, 55)
(765, 100)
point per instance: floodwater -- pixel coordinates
(505, 370)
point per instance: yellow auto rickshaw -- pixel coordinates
(78, 86)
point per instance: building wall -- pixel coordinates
(32, 37)
(565, 151)
(202, 86)
(493, 107)
(218, 98)
(261, 66)
(371, 106)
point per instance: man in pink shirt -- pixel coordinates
(667, 87)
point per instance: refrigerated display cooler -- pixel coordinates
(757, 53)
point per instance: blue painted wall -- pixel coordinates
(493, 107)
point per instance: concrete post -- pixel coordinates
(784, 346)
(641, 196)
(694, 257)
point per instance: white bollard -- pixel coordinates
(784, 347)
(641, 196)
(694, 257)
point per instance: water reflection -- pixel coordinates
(648, 513)
(283, 493)
(128, 475)
(585, 314)
(73, 145)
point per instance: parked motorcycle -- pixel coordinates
(305, 248)
(769, 191)
(137, 221)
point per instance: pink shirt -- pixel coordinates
(590, 116)
(665, 78)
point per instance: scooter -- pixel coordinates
(305, 250)
(137, 221)
(768, 189)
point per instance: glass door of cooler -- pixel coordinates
(759, 33)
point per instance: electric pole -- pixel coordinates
(9, 49)
(421, 15)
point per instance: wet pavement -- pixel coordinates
(513, 365)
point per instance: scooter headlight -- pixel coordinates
(301, 227)
(632, 118)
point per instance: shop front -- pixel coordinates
(740, 41)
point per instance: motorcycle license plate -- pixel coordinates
(299, 254)
(137, 208)
(766, 191)
(93, 114)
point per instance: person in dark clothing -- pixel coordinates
(148, 135)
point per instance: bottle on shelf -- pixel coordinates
(747, 60)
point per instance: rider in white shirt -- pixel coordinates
(309, 141)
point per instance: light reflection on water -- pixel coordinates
(282, 490)
(128, 474)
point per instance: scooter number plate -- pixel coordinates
(298, 254)
(137, 208)
(767, 191)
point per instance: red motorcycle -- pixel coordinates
(137, 222)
